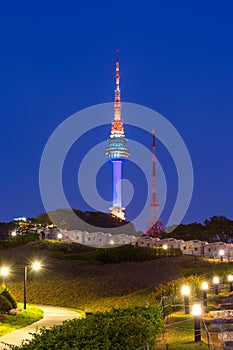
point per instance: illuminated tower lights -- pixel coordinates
(117, 150)
(154, 225)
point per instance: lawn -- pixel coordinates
(23, 318)
(179, 334)
(81, 284)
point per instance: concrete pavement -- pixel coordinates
(52, 316)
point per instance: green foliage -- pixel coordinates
(21, 319)
(125, 329)
(7, 294)
(125, 253)
(18, 240)
(26, 317)
(216, 228)
(5, 304)
(65, 247)
(219, 228)
(173, 288)
(132, 253)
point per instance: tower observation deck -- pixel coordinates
(117, 150)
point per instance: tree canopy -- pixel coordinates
(216, 228)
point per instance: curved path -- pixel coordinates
(52, 316)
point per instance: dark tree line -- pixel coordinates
(7, 228)
(216, 228)
(65, 219)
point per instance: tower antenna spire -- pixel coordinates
(117, 55)
(117, 71)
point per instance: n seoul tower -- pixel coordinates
(117, 151)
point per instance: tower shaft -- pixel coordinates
(117, 208)
(117, 183)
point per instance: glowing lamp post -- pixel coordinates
(221, 253)
(35, 266)
(185, 292)
(165, 247)
(59, 236)
(4, 271)
(196, 311)
(204, 287)
(216, 284)
(230, 280)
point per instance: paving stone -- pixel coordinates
(222, 314)
(228, 327)
(226, 306)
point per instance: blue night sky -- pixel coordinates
(59, 57)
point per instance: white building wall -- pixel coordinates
(194, 247)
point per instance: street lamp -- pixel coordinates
(35, 266)
(185, 292)
(196, 311)
(230, 280)
(165, 247)
(216, 284)
(4, 271)
(221, 253)
(59, 236)
(204, 287)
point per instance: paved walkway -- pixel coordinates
(52, 316)
(222, 322)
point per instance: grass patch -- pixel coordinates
(206, 267)
(79, 293)
(89, 256)
(23, 318)
(179, 334)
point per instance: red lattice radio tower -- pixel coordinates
(154, 227)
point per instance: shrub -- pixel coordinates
(7, 294)
(62, 246)
(18, 240)
(118, 329)
(5, 304)
(132, 253)
(4, 317)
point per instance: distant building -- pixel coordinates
(96, 239)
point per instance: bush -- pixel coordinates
(132, 253)
(61, 246)
(7, 294)
(5, 304)
(18, 240)
(118, 329)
